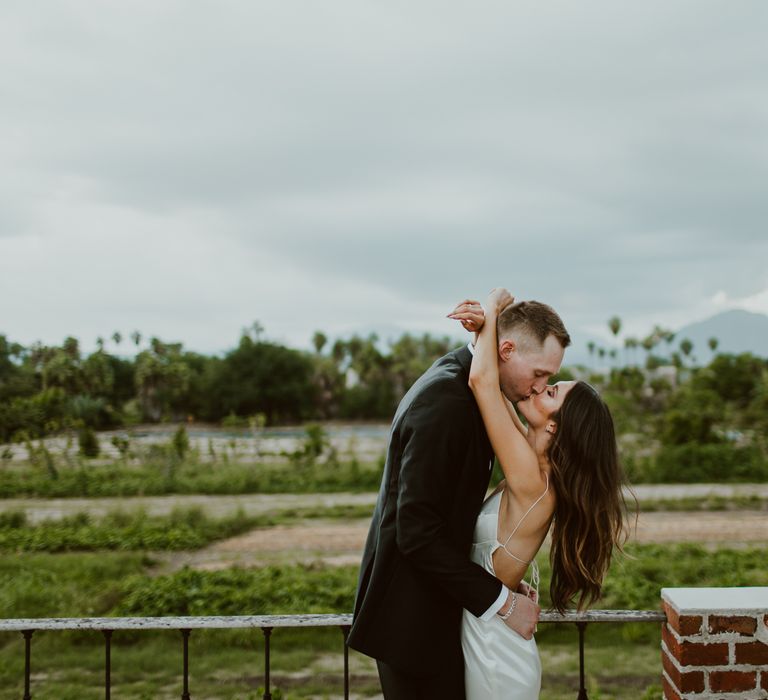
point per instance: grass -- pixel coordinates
(706, 503)
(622, 661)
(111, 479)
(286, 590)
(184, 528)
(191, 475)
(65, 585)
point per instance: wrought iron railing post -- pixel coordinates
(345, 632)
(267, 633)
(267, 624)
(185, 637)
(27, 662)
(582, 688)
(107, 663)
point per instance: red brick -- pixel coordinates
(752, 653)
(725, 623)
(695, 653)
(671, 641)
(764, 680)
(732, 681)
(692, 682)
(670, 692)
(692, 654)
(684, 625)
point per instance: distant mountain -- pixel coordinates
(736, 331)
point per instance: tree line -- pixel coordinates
(46, 388)
(668, 412)
(678, 420)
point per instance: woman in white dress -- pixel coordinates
(561, 471)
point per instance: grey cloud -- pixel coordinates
(605, 157)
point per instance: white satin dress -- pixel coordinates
(499, 664)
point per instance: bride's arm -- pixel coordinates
(517, 458)
(472, 317)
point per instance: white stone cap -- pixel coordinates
(737, 600)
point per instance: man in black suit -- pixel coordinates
(416, 575)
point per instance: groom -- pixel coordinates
(416, 575)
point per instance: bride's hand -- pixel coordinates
(524, 589)
(524, 617)
(470, 314)
(499, 299)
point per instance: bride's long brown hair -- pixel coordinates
(590, 517)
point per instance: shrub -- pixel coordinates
(184, 528)
(88, 442)
(180, 442)
(33, 414)
(693, 462)
(265, 591)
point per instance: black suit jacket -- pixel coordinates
(416, 575)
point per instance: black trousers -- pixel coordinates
(448, 684)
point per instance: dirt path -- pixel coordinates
(38, 509)
(256, 504)
(341, 543)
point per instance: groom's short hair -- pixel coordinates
(534, 321)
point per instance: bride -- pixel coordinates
(561, 473)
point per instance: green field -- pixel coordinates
(622, 660)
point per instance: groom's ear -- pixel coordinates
(506, 348)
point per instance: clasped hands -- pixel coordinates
(470, 313)
(523, 620)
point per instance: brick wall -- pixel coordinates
(715, 644)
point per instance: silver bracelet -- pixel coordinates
(509, 612)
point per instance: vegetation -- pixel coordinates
(44, 389)
(184, 528)
(633, 583)
(677, 422)
(622, 660)
(707, 424)
(153, 477)
(270, 590)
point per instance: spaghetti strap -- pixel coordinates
(519, 522)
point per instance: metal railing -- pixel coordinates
(267, 623)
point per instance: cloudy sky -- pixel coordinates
(187, 168)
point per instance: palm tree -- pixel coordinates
(117, 338)
(591, 348)
(631, 344)
(319, 339)
(39, 356)
(136, 338)
(713, 343)
(71, 347)
(686, 346)
(614, 325)
(648, 344)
